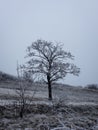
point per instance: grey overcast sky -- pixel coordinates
(72, 22)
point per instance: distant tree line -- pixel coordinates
(6, 77)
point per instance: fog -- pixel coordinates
(71, 22)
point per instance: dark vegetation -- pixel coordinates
(69, 117)
(92, 86)
(7, 77)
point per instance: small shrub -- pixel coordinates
(92, 86)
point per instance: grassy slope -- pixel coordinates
(82, 114)
(68, 94)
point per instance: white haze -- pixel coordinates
(72, 22)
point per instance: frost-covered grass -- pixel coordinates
(56, 117)
(72, 108)
(69, 94)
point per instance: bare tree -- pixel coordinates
(22, 91)
(50, 61)
(24, 97)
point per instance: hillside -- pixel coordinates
(72, 108)
(6, 77)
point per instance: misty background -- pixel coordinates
(71, 22)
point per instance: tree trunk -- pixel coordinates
(21, 114)
(21, 110)
(49, 88)
(50, 91)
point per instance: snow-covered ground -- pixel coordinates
(81, 113)
(69, 95)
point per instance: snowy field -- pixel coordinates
(79, 110)
(39, 93)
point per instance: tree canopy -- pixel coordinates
(50, 61)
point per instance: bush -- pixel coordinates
(92, 86)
